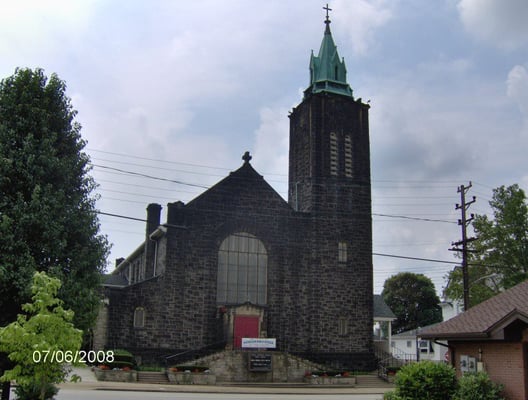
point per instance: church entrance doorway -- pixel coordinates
(245, 326)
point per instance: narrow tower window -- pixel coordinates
(342, 252)
(139, 317)
(333, 154)
(342, 326)
(348, 157)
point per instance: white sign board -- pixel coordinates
(259, 343)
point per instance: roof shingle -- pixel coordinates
(479, 320)
(381, 309)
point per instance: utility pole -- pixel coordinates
(464, 222)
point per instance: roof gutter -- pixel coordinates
(454, 336)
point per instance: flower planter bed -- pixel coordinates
(191, 376)
(115, 375)
(329, 378)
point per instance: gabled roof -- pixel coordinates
(382, 310)
(485, 318)
(412, 333)
(240, 185)
(114, 280)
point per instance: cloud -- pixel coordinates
(359, 20)
(42, 28)
(517, 87)
(271, 147)
(517, 90)
(501, 23)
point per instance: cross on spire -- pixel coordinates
(327, 16)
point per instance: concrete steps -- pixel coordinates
(158, 378)
(372, 381)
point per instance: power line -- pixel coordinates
(158, 160)
(172, 190)
(206, 187)
(413, 218)
(121, 216)
(374, 254)
(400, 184)
(150, 176)
(171, 162)
(416, 258)
(159, 168)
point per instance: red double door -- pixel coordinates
(245, 326)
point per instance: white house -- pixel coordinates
(409, 347)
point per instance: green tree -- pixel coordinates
(34, 341)
(413, 299)
(48, 220)
(499, 256)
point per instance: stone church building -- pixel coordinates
(238, 261)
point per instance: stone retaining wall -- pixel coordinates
(232, 366)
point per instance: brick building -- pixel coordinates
(239, 261)
(493, 337)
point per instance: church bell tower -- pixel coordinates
(329, 134)
(329, 185)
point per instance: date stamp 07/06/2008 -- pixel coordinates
(81, 356)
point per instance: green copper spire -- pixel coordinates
(327, 71)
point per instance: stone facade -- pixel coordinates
(232, 366)
(317, 251)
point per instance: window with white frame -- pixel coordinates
(425, 346)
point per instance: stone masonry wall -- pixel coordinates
(232, 366)
(317, 306)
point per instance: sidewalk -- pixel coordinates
(89, 382)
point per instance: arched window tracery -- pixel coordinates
(242, 270)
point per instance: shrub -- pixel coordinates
(426, 380)
(122, 359)
(33, 391)
(391, 396)
(478, 386)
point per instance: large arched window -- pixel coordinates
(242, 270)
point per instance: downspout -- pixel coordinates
(155, 258)
(450, 348)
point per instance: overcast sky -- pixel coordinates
(180, 89)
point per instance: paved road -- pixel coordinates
(76, 394)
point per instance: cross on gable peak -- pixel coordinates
(246, 157)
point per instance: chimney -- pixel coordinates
(153, 222)
(153, 218)
(175, 213)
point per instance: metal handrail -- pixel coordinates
(190, 351)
